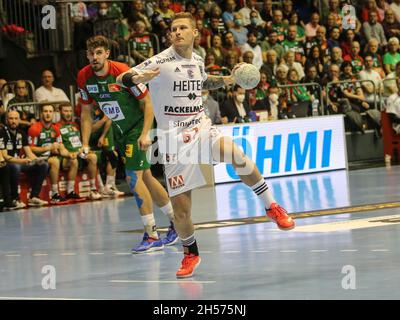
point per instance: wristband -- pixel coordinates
(127, 80)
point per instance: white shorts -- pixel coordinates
(185, 175)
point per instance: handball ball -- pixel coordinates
(247, 76)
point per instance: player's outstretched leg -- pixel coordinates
(160, 197)
(151, 239)
(225, 150)
(182, 204)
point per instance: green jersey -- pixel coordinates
(121, 105)
(71, 136)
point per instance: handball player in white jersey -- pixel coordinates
(176, 77)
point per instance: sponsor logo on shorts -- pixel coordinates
(129, 150)
(176, 182)
(92, 88)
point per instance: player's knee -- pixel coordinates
(54, 162)
(112, 158)
(92, 158)
(131, 179)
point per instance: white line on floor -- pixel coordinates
(160, 281)
(349, 250)
(380, 250)
(288, 251)
(13, 255)
(122, 253)
(318, 250)
(68, 254)
(40, 254)
(96, 253)
(261, 251)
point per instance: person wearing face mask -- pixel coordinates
(211, 108)
(256, 25)
(236, 108)
(239, 32)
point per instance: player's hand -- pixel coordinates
(100, 143)
(145, 76)
(3, 163)
(26, 161)
(55, 146)
(144, 142)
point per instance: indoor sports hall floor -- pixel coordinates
(345, 246)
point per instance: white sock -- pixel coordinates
(93, 184)
(100, 181)
(149, 224)
(54, 189)
(110, 181)
(263, 193)
(70, 186)
(168, 211)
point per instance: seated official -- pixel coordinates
(19, 157)
(236, 109)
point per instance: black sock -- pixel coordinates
(191, 249)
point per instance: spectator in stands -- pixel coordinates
(161, 21)
(352, 90)
(250, 5)
(227, 16)
(320, 40)
(334, 58)
(373, 29)
(294, 21)
(211, 108)
(239, 32)
(349, 37)
(312, 76)
(277, 25)
(354, 57)
(45, 141)
(27, 112)
(287, 10)
(395, 6)
(214, 25)
(198, 49)
(47, 92)
(310, 28)
(299, 98)
(271, 42)
(335, 10)
(236, 108)
(210, 65)
(389, 85)
(20, 158)
(292, 64)
(259, 95)
(390, 25)
(371, 7)
(216, 49)
(248, 57)
(253, 46)
(140, 43)
(204, 34)
(315, 58)
(231, 59)
(290, 44)
(255, 26)
(266, 12)
(391, 57)
(216, 13)
(331, 23)
(191, 7)
(393, 108)
(138, 12)
(333, 40)
(372, 49)
(230, 46)
(371, 91)
(71, 139)
(270, 65)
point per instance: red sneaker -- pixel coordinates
(189, 264)
(280, 216)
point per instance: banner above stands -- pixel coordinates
(288, 147)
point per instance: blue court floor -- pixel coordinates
(345, 246)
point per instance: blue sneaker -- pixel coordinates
(148, 244)
(171, 238)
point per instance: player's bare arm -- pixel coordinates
(86, 125)
(130, 78)
(106, 128)
(216, 82)
(144, 140)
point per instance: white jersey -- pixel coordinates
(176, 92)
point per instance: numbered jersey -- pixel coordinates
(120, 104)
(71, 136)
(176, 93)
(40, 136)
